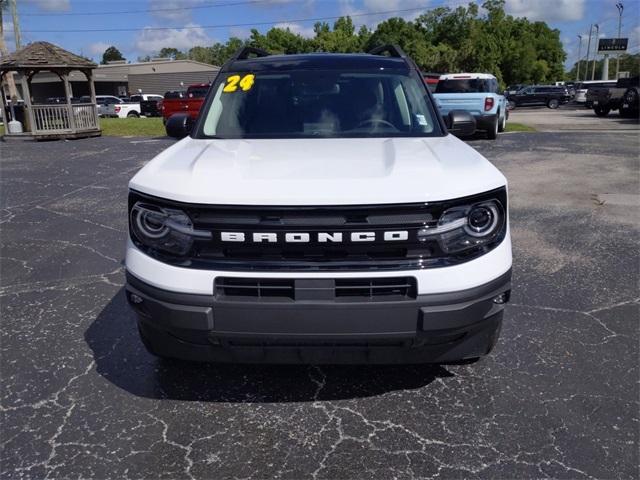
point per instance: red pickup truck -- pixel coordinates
(184, 102)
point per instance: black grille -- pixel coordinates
(380, 254)
(323, 289)
(377, 288)
(257, 288)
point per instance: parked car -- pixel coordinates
(548, 95)
(478, 94)
(104, 101)
(63, 100)
(607, 99)
(189, 103)
(583, 87)
(432, 80)
(513, 89)
(631, 102)
(151, 107)
(130, 107)
(322, 212)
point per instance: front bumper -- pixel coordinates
(439, 328)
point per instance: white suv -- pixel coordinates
(319, 212)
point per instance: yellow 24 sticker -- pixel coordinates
(245, 83)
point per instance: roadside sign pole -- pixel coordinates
(595, 55)
(579, 57)
(620, 8)
(586, 70)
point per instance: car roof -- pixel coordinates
(318, 61)
(455, 76)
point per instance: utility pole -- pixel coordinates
(595, 55)
(16, 24)
(4, 51)
(620, 8)
(579, 57)
(586, 70)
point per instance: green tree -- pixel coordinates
(111, 54)
(342, 38)
(280, 40)
(443, 40)
(405, 34)
(201, 54)
(172, 53)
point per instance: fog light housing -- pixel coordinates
(135, 299)
(502, 298)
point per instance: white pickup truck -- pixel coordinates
(130, 108)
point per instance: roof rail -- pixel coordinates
(244, 52)
(392, 49)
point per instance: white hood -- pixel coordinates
(349, 171)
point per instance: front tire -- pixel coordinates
(511, 104)
(553, 103)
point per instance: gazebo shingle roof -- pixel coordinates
(43, 55)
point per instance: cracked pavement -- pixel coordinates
(558, 397)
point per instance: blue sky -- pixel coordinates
(61, 17)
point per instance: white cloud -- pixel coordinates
(547, 10)
(150, 41)
(98, 48)
(54, 5)
(297, 28)
(240, 32)
(165, 9)
(360, 17)
(634, 37)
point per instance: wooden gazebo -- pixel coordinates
(71, 119)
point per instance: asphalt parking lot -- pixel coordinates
(559, 397)
(572, 117)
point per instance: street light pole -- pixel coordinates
(579, 57)
(595, 55)
(620, 8)
(586, 70)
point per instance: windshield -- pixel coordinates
(313, 103)
(471, 85)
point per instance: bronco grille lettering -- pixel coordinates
(320, 237)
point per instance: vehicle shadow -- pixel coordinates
(122, 360)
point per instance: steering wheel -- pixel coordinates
(376, 121)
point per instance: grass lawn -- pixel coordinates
(132, 127)
(152, 127)
(518, 127)
(128, 127)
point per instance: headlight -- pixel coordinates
(465, 227)
(165, 229)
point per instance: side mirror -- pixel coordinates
(461, 123)
(179, 125)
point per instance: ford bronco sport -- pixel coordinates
(319, 211)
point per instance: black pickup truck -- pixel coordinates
(606, 99)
